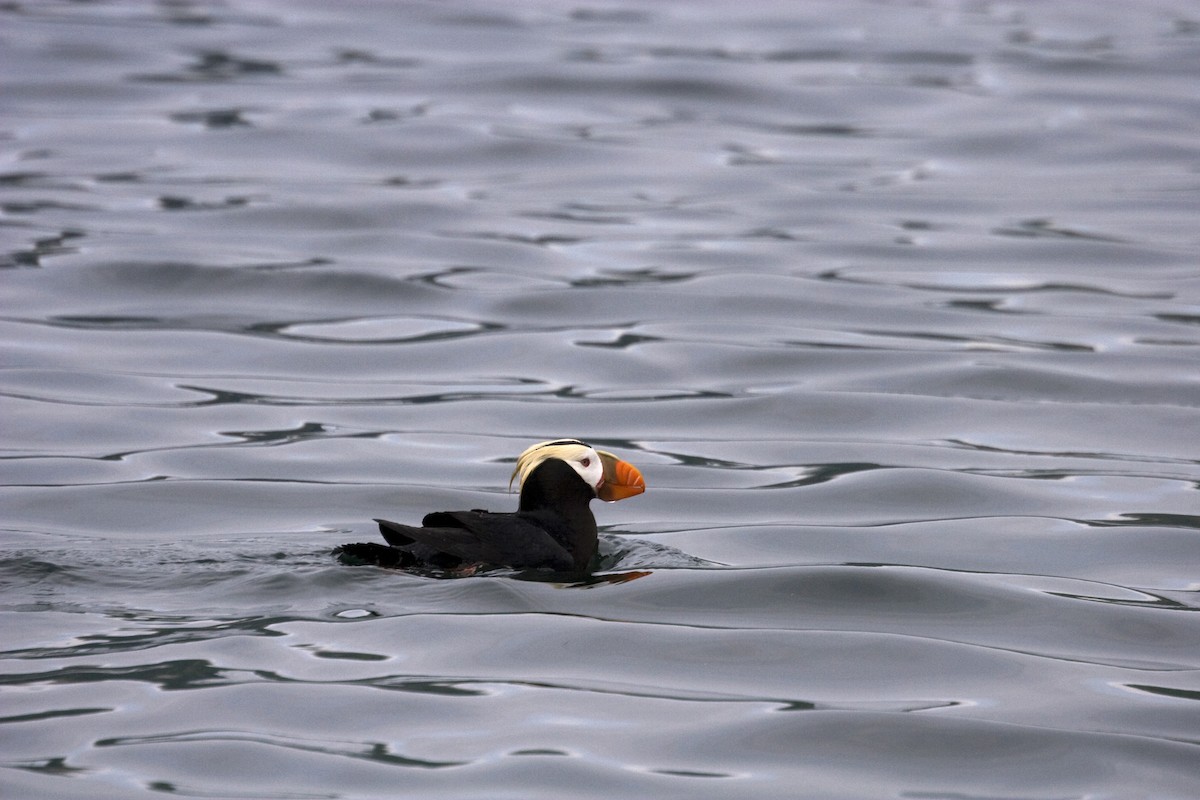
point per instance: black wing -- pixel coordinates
(481, 537)
(373, 553)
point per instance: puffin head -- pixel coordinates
(610, 477)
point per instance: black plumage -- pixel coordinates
(553, 527)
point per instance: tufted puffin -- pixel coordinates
(553, 528)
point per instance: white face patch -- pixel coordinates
(587, 464)
(583, 459)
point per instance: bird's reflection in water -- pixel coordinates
(583, 581)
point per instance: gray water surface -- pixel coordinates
(896, 305)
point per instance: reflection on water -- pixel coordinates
(894, 304)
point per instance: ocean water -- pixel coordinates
(895, 304)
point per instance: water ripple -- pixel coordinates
(894, 306)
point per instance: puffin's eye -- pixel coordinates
(587, 462)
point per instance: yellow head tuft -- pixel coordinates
(535, 455)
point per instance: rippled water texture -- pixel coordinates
(895, 304)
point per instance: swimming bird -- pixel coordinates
(552, 528)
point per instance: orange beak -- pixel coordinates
(621, 479)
